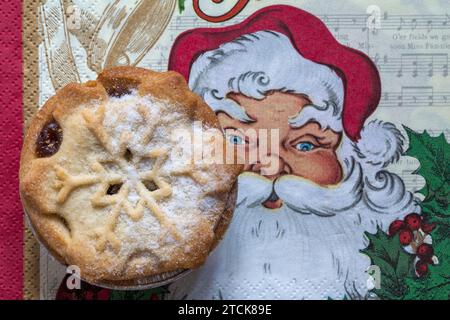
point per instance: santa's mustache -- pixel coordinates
(302, 195)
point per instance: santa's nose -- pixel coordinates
(271, 166)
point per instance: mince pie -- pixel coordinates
(105, 187)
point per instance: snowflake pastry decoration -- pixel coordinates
(115, 186)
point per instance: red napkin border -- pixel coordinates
(11, 125)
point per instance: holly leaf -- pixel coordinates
(436, 205)
(436, 284)
(394, 262)
(398, 279)
(181, 6)
(433, 154)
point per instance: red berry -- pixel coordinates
(421, 268)
(103, 294)
(413, 221)
(154, 296)
(405, 236)
(395, 227)
(427, 227)
(425, 251)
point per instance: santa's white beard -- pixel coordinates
(307, 249)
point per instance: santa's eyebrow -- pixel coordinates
(327, 116)
(247, 120)
(251, 116)
(233, 128)
(246, 133)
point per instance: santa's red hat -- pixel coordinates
(312, 39)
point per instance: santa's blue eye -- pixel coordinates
(304, 146)
(236, 139)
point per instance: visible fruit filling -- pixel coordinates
(49, 139)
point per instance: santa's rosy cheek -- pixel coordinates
(321, 167)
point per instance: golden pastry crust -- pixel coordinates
(113, 199)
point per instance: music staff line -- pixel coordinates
(336, 22)
(413, 64)
(386, 21)
(415, 96)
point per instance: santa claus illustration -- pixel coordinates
(296, 232)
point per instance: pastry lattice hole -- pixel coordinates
(150, 185)
(113, 189)
(117, 87)
(128, 155)
(49, 139)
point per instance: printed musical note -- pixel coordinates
(447, 20)
(429, 25)
(400, 25)
(413, 23)
(337, 25)
(445, 69)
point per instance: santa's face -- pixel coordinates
(326, 189)
(308, 151)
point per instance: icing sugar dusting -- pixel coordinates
(129, 120)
